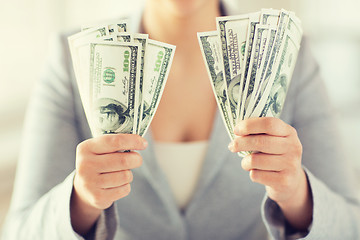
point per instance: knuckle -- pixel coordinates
(82, 168)
(285, 181)
(268, 123)
(81, 148)
(124, 162)
(112, 140)
(138, 141)
(260, 141)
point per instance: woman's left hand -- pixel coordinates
(276, 163)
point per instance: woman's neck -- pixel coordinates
(177, 22)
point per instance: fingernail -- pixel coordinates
(231, 147)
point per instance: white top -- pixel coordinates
(182, 164)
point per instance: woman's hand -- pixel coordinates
(102, 176)
(276, 163)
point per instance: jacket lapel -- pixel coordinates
(215, 157)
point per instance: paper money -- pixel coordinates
(253, 22)
(80, 53)
(158, 59)
(115, 26)
(114, 76)
(142, 39)
(274, 96)
(211, 49)
(110, 68)
(259, 52)
(260, 40)
(261, 72)
(233, 33)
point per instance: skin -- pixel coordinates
(276, 163)
(103, 174)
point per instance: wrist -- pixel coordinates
(299, 207)
(83, 215)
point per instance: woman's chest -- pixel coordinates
(186, 111)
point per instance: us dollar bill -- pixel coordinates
(158, 59)
(233, 34)
(124, 37)
(114, 76)
(259, 43)
(211, 51)
(269, 17)
(253, 22)
(274, 97)
(262, 83)
(287, 22)
(79, 45)
(114, 26)
(142, 39)
(268, 69)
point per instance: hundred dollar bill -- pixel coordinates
(294, 27)
(283, 20)
(292, 24)
(261, 71)
(142, 39)
(275, 93)
(106, 38)
(80, 53)
(115, 26)
(269, 16)
(114, 78)
(158, 59)
(260, 40)
(253, 22)
(124, 37)
(211, 51)
(233, 34)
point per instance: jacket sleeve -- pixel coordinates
(336, 210)
(40, 206)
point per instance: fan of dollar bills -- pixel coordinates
(250, 61)
(120, 75)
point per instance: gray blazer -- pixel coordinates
(226, 204)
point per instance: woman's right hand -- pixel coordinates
(103, 175)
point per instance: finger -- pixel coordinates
(116, 193)
(115, 142)
(114, 162)
(114, 179)
(266, 125)
(259, 143)
(267, 178)
(261, 161)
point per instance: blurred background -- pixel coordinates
(26, 25)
